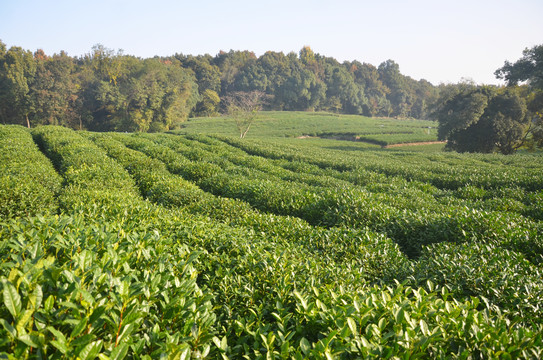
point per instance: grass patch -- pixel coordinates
(281, 124)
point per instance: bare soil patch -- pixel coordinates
(348, 137)
(414, 144)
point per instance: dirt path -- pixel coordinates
(357, 138)
(414, 144)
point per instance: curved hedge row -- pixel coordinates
(503, 278)
(28, 182)
(410, 220)
(445, 171)
(317, 324)
(416, 229)
(377, 258)
(82, 288)
(100, 280)
(89, 175)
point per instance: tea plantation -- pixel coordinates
(183, 245)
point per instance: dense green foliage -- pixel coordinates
(165, 245)
(483, 119)
(486, 119)
(28, 182)
(110, 91)
(528, 68)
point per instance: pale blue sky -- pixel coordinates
(435, 40)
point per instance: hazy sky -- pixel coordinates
(441, 41)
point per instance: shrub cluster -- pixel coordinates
(376, 257)
(99, 280)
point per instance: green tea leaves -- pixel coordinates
(12, 299)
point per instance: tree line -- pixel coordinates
(102, 90)
(310, 81)
(109, 90)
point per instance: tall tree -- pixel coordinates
(99, 72)
(535, 106)
(457, 116)
(53, 91)
(425, 95)
(528, 68)
(208, 105)
(128, 94)
(156, 96)
(106, 90)
(298, 88)
(401, 94)
(483, 119)
(507, 113)
(230, 63)
(367, 76)
(340, 85)
(208, 77)
(17, 69)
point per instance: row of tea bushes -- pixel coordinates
(318, 323)
(96, 281)
(503, 278)
(75, 287)
(513, 199)
(260, 286)
(158, 185)
(445, 171)
(215, 151)
(383, 212)
(89, 175)
(376, 257)
(213, 290)
(25, 190)
(504, 204)
(499, 236)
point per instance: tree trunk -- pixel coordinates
(245, 132)
(27, 121)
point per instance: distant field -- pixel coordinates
(295, 124)
(352, 146)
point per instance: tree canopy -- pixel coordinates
(109, 90)
(483, 119)
(528, 68)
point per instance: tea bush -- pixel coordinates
(28, 182)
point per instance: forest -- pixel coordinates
(108, 90)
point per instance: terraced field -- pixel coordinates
(194, 246)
